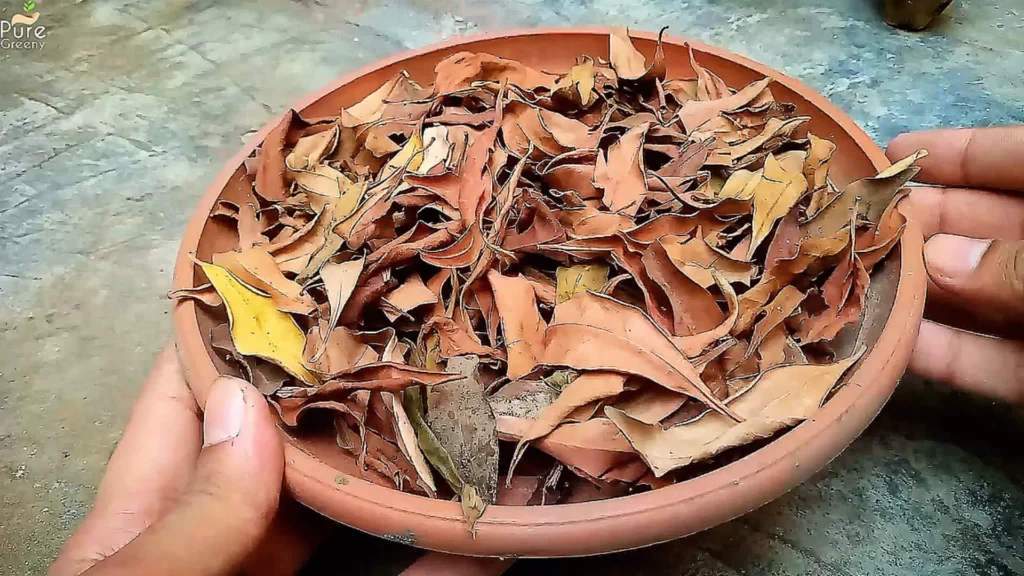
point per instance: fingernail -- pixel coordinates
(225, 409)
(952, 256)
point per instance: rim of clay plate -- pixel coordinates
(606, 525)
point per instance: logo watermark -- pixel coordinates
(23, 31)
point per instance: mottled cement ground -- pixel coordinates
(110, 133)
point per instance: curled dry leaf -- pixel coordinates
(206, 294)
(549, 259)
(629, 63)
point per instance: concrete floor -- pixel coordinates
(110, 133)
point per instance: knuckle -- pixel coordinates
(1012, 265)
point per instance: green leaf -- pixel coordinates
(412, 401)
(29, 5)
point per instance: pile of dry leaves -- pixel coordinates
(626, 272)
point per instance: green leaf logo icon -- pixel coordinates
(29, 5)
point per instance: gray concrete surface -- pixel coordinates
(110, 133)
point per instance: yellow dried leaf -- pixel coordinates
(818, 156)
(901, 165)
(258, 328)
(349, 201)
(575, 279)
(779, 189)
(580, 82)
(410, 157)
(741, 185)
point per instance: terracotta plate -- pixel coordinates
(317, 472)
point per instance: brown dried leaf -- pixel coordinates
(845, 292)
(586, 388)
(709, 86)
(776, 312)
(409, 295)
(694, 309)
(339, 282)
(205, 294)
(816, 167)
(592, 332)
(695, 258)
(697, 112)
(694, 344)
(342, 350)
(621, 173)
(520, 322)
(779, 398)
(257, 268)
(591, 448)
(462, 70)
(629, 63)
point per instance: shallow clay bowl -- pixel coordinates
(317, 473)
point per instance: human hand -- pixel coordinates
(974, 336)
(188, 494)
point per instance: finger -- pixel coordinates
(968, 157)
(232, 498)
(966, 212)
(293, 536)
(979, 364)
(147, 472)
(983, 276)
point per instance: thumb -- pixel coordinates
(987, 276)
(229, 502)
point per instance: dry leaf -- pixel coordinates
(629, 63)
(776, 312)
(585, 388)
(621, 173)
(257, 268)
(779, 189)
(258, 328)
(205, 294)
(597, 333)
(520, 322)
(464, 425)
(268, 378)
(407, 441)
(697, 112)
(779, 398)
(695, 258)
(573, 280)
(339, 283)
(578, 85)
